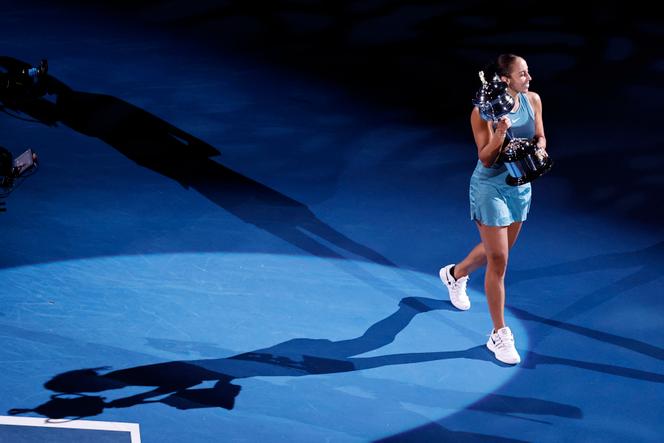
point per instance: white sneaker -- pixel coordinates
(456, 288)
(501, 343)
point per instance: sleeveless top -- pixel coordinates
(523, 119)
(523, 126)
(492, 201)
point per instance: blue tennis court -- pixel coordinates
(236, 225)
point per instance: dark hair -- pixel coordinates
(504, 63)
(500, 66)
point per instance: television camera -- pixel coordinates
(14, 170)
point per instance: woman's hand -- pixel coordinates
(539, 142)
(503, 125)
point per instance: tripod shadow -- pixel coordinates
(161, 147)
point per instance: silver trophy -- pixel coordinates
(522, 158)
(492, 99)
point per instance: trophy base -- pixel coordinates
(514, 181)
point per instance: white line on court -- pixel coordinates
(132, 428)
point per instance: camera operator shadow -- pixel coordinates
(161, 147)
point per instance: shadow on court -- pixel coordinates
(174, 383)
(161, 147)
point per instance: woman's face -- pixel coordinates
(519, 78)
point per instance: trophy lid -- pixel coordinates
(492, 99)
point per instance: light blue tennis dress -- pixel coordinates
(492, 201)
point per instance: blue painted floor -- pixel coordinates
(223, 244)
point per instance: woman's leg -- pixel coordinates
(496, 247)
(497, 242)
(477, 257)
(473, 261)
(513, 233)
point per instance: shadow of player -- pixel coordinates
(174, 382)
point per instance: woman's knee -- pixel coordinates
(497, 262)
